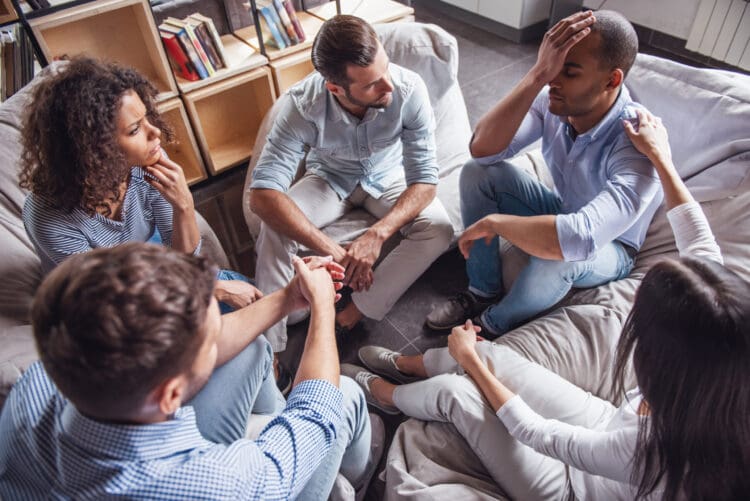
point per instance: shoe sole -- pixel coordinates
(436, 327)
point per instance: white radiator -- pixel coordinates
(722, 30)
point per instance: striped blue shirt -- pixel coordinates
(57, 234)
(48, 450)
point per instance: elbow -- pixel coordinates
(258, 201)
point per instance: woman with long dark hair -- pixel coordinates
(98, 177)
(682, 433)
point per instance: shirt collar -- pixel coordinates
(339, 114)
(134, 442)
(612, 116)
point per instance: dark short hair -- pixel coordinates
(70, 151)
(689, 337)
(112, 324)
(618, 41)
(341, 41)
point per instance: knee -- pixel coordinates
(472, 176)
(354, 403)
(456, 395)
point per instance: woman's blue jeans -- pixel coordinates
(505, 189)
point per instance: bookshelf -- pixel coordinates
(184, 150)
(310, 24)
(118, 30)
(7, 12)
(240, 58)
(372, 11)
(226, 116)
(289, 70)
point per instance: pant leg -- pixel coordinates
(350, 452)
(243, 385)
(274, 269)
(500, 188)
(538, 386)
(520, 471)
(542, 283)
(424, 240)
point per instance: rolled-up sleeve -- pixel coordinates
(631, 187)
(284, 149)
(418, 138)
(294, 443)
(530, 130)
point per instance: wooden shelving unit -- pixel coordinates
(226, 116)
(310, 25)
(7, 12)
(372, 11)
(289, 70)
(119, 30)
(241, 58)
(184, 150)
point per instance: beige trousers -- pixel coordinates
(424, 239)
(449, 397)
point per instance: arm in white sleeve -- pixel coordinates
(692, 233)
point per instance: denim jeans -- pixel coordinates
(245, 385)
(504, 188)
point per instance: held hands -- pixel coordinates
(462, 343)
(359, 260)
(317, 279)
(170, 182)
(236, 293)
(481, 229)
(558, 41)
(651, 138)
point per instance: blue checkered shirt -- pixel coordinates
(48, 450)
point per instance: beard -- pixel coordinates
(377, 104)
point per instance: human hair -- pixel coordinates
(110, 325)
(70, 152)
(618, 41)
(689, 337)
(341, 41)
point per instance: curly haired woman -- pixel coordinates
(98, 177)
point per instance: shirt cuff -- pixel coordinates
(198, 247)
(267, 184)
(514, 413)
(318, 395)
(573, 246)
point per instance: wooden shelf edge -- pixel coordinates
(256, 61)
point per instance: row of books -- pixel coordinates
(279, 23)
(193, 46)
(16, 61)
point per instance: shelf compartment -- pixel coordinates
(226, 116)
(7, 12)
(184, 150)
(310, 25)
(289, 70)
(115, 30)
(372, 11)
(240, 58)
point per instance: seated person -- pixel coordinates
(98, 177)
(585, 233)
(144, 390)
(369, 128)
(678, 435)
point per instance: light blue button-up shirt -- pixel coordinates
(48, 450)
(609, 191)
(386, 145)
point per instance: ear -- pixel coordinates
(334, 89)
(616, 77)
(170, 394)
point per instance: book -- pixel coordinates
(294, 19)
(177, 57)
(196, 43)
(201, 32)
(187, 46)
(270, 23)
(218, 44)
(286, 21)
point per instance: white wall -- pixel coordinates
(673, 17)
